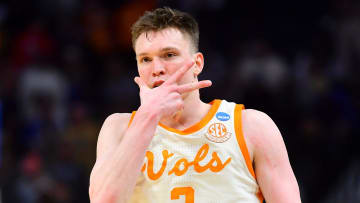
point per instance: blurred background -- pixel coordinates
(65, 65)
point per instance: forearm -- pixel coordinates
(282, 192)
(114, 175)
(278, 183)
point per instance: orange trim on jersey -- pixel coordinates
(240, 138)
(242, 144)
(131, 118)
(214, 107)
(260, 196)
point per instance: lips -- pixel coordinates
(158, 83)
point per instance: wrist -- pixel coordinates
(150, 112)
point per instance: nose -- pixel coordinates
(158, 68)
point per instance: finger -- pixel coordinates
(140, 82)
(193, 86)
(179, 73)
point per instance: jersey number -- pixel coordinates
(187, 191)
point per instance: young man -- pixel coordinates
(176, 148)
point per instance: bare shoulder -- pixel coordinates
(259, 129)
(112, 130)
(257, 120)
(117, 120)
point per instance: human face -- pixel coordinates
(160, 54)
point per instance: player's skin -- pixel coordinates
(168, 68)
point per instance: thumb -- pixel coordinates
(140, 82)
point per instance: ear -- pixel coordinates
(199, 63)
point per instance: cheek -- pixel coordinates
(143, 72)
(188, 77)
(145, 75)
(175, 65)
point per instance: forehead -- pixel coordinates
(157, 40)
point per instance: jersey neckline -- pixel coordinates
(205, 120)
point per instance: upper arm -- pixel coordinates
(271, 163)
(111, 132)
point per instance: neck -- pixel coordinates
(194, 110)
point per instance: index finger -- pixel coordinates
(194, 86)
(179, 73)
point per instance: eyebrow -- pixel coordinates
(162, 50)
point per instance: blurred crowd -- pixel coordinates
(65, 65)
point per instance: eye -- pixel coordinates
(145, 60)
(170, 54)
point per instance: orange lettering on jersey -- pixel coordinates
(143, 167)
(219, 165)
(150, 166)
(215, 164)
(177, 169)
(203, 151)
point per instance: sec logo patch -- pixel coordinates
(217, 132)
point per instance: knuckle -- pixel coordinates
(173, 88)
(175, 96)
(180, 104)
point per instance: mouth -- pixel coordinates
(158, 83)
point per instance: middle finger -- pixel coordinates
(179, 73)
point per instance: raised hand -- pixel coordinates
(166, 99)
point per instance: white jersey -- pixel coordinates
(206, 163)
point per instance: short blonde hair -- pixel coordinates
(162, 18)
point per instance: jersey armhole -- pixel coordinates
(131, 118)
(242, 144)
(240, 138)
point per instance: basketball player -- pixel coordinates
(176, 148)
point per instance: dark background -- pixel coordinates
(65, 65)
